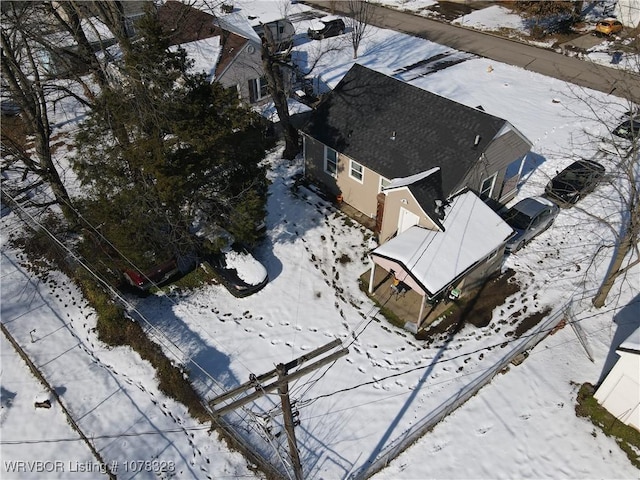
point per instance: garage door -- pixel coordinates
(407, 219)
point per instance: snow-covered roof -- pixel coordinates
(94, 29)
(268, 110)
(435, 259)
(205, 54)
(238, 23)
(403, 182)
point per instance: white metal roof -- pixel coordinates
(435, 259)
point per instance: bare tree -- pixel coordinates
(625, 230)
(274, 66)
(619, 151)
(360, 14)
(36, 55)
(22, 72)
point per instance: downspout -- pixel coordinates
(372, 274)
(424, 300)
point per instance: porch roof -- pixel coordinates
(434, 259)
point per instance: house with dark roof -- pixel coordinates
(398, 153)
(233, 60)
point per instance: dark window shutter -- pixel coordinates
(253, 95)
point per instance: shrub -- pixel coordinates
(627, 438)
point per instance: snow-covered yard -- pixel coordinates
(523, 424)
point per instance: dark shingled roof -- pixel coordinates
(399, 130)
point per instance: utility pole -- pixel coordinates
(282, 385)
(283, 391)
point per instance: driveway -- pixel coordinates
(571, 69)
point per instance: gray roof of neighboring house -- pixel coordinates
(398, 130)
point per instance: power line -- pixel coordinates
(125, 302)
(421, 367)
(115, 435)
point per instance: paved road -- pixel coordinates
(546, 62)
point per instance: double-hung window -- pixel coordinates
(258, 89)
(330, 161)
(486, 189)
(356, 171)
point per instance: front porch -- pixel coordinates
(404, 307)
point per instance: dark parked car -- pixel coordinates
(528, 218)
(155, 276)
(239, 271)
(326, 27)
(574, 182)
(629, 129)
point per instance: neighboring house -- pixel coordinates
(282, 33)
(466, 248)
(619, 393)
(375, 142)
(130, 10)
(234, 61)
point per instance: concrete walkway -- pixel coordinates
(570, 69)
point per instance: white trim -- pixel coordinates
(493, 184)
(326, 158)
(407, 219)
(258, 85)
(351, 169)
(383, 179)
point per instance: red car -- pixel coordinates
(155, 276)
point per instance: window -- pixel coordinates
(330, 161)
(258, 89)
(492, 256)
(486, 189)
(356, 171)
(384, 183)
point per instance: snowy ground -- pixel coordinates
(521, 425)
(501, 20)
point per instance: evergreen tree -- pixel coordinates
(192, 152)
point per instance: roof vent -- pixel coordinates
(476, 141)
(393, 135)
